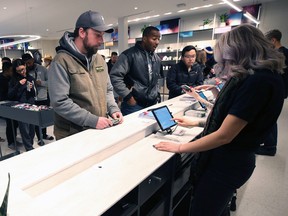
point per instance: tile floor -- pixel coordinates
(265, 194)
(4, 146)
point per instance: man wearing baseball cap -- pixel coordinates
(79, 86)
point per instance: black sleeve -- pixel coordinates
(171, 81)
(250, 98)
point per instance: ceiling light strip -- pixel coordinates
(237, 8)
(250, 17)
(245, 13)
(27, 38)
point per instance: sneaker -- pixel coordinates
(268, 151)
(11, 146)
(48, 137)
(19, 143)
(41, 142)
(2, 140)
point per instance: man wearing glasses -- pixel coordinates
(79, 86)
(186, 72)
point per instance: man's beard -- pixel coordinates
(90, 50)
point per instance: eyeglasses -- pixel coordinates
(190, 56)
(21, 70)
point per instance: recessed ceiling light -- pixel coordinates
(47, 29)
(4, 8)
(194, 8)
(181, 5)
(135, 8)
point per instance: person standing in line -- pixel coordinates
(135, 74)
(202, 59)
(110, 64)
(239, 120)
(112, 61)
(47, 61)
(4, 60)
(79, 86)
(269, 147)
(39, 73)
(5, 77)
(208, 71)
(22, 89)
(186, 72)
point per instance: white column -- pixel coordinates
(122, 34)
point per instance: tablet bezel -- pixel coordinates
(159, 122)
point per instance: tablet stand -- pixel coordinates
(169, 131)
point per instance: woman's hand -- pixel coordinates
(204, 87)
(193, 93)
(22, 81)
(168, 146)
(186, 121)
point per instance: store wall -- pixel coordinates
(46, 47)
(273, 16)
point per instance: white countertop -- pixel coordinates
(64, 178)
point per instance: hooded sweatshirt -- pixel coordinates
(80, 89)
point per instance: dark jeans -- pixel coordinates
(271, 139)
(225, 172)
(128, 109)
(11, 137)
(27, 132)
(44, 130)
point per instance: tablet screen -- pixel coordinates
(204, 97)
(164, 118)
(220, 86)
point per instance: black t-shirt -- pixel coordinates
(258, 101)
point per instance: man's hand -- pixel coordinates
(103, 123)
(132, 101)
(118, 115)
(38, 82)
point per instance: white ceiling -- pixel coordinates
(37, 16)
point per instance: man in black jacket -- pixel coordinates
(135, 75)
(112, 61)
(186, 72)
(5, 77)
(269, 146)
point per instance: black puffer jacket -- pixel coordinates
(178, 75)
(131, 72)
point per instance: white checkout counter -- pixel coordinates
(89, 172)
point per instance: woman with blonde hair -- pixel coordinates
(244, 111)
